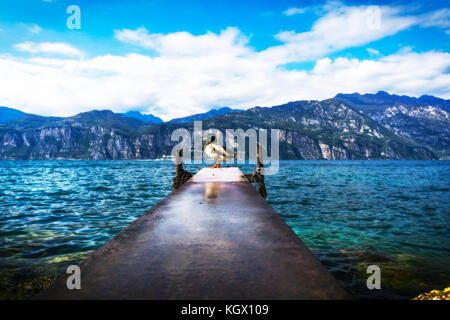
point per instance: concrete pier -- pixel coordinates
(213, 238)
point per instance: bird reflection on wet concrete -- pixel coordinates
(211, 192)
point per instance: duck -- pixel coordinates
(215, 151)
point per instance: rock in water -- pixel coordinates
(435, 295)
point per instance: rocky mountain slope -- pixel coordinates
(327, 129)
(426, 120)
(92, 135)
(383, 100)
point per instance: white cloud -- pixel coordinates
(402, 73)
(35, 29)
(294, 11)
(59, 48)
(373, 52)
(172, 87)
(188, 73)
(228, 41)
(317, 9)
(329, 6)
(139, 37)
(439, 18)
(337, 30)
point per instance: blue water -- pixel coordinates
(351, 214)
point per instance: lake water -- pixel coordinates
(351, 214)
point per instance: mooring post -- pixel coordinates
(181, 175)
(257, 176)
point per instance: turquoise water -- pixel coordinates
(351, 214)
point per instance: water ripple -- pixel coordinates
(350, 213)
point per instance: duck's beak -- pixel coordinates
(205, 139)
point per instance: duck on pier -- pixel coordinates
(215, 151)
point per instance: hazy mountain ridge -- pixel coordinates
(143, 117)
(205, 115)
(328, 129)
(9, 114)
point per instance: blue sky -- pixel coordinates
(180, 57)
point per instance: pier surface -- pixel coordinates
(213, 238)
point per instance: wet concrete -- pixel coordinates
(213, 238)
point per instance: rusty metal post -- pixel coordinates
(181, 175)
(257, 177)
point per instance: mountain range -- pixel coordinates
(424, 120)
(383, 100)
(349, 126)
(9, 114)
(204, 116)
(144, 117)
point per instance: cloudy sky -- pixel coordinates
(177, 58)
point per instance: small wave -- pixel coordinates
(100, 188)
(60, 192)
